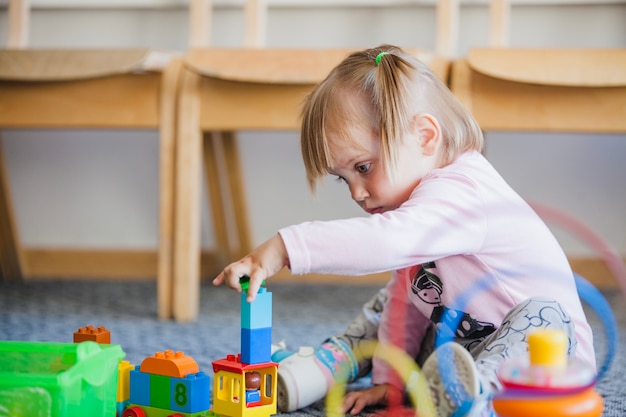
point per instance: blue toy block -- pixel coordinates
(257, 314)
(190, 394)
(256, 345)
(139, 387)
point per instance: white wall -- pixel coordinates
(99, 189)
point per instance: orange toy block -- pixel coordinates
(170, 363)
(98, 334)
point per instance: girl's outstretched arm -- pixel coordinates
(260, 264)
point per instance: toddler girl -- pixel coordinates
(441, 218)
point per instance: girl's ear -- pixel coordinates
(429, 133)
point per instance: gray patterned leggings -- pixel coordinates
(509, 340)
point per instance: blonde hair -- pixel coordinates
(396, 88)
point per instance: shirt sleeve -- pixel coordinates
(443, 216)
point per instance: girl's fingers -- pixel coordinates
(256, 279)
(219, 280)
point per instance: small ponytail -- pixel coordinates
(393, 102)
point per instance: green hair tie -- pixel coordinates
(379, 56)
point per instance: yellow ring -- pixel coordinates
(402, 363)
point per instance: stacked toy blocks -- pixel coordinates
(245, 384)
(170, 381)
(256, 328)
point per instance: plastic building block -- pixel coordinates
(190, 394)
(98, 334)
(244, 283)
(257, 314)
(139, 387)
(123, 381)
(256, 345)
(170, 363)
(229, 388)
(160, 391)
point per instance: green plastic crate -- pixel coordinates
(40, 379)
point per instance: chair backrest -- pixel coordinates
(18, 23)
(255, 21)
(201, 13)
(539, 89)
(499, 21)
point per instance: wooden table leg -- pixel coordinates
(10, 253)
(167, 165)
(187, 203)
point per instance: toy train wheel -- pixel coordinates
(134, 412)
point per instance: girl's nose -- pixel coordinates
(358, 192)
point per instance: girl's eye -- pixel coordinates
(341, 179)
(363, 169)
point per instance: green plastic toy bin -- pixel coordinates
(40, 379)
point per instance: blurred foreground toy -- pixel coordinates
(41, 379)
(547, 383)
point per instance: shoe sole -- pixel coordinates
(282, 396)
(459, 386)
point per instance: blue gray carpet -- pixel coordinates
(302, 315)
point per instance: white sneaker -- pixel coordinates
(301, 380)
(307, 375)
(453, 379)
(278, 346)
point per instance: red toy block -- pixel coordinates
(98, 334)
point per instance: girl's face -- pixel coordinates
(358, 162)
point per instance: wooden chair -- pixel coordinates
(135, 89)
(541, 90)
(568, 90)
(227, 90)
(548, 89)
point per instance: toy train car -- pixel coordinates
(170, 384)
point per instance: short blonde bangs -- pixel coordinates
(328, 115)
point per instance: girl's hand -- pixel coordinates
(355, 401)
(260, 264)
